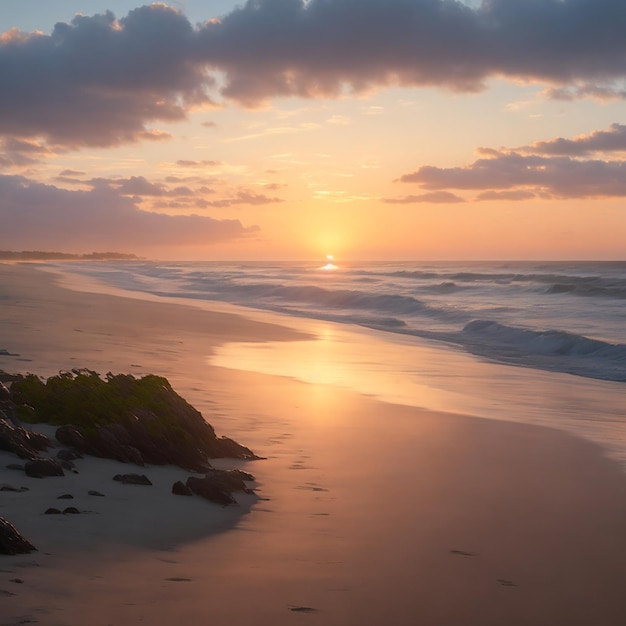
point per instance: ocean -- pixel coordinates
(537, 342)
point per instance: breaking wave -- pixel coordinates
(526, 314)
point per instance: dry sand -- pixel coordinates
(369, 513)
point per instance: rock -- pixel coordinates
(71, 510)
(19, 581)
(227, 447)
(52, 511)
(5, 394)
(15, 466)
(41, 468)
(92, 492)
(69, 466)
(180, 489)
(11, 541)
(133, 420)
(18, 440)
(230, 480)
(209, 490)
(132, 479)
(71, 437)
(65, 496)
(113, 441)
(68, 455)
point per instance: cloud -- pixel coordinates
(557, 177)
(99, 81)
(140, 188)
(102, 81)
(435, 197)
(600, 92)
(34, 215)
(21, 152)
(556, 168)
(270, 48)
(611, 140)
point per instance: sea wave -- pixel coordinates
(495, 314)
(549, 349)
(322, 298)
(588, 289)
(557, 283)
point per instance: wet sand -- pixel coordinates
(368, 513)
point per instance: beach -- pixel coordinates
(367, 512)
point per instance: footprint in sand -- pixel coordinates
(462, 553)
(303, 609)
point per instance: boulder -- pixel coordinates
(133, 479)
(225, 447)
(180, 489)
(230, 480)
(11, 541)
(71, 437)
(68, 465)
(40, 468)
(207, 488)
(65, 496)
(52, 511)
(139, 421)
(19, 441)
(93, 492)
(68, 455)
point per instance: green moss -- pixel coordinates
(83, 398)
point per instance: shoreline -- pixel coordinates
(368, 512)
(453, 381)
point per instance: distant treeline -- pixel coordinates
(38, 255)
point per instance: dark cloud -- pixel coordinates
(559, 177)
(434, 197)
(34, 215)
(99, 81)
(556, 168)
(317, 48)
(611, 140)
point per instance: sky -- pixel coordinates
(291, 129)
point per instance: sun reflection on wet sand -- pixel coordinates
(409, 371)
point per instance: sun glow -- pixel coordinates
(330, 266)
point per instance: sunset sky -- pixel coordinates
(283, 129)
